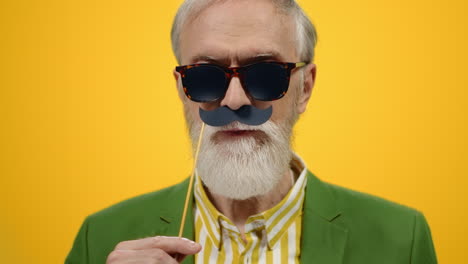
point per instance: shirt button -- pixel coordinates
(257, 224)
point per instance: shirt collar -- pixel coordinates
(275, 220)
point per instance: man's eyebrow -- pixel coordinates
(262, 57)
(206, 58)
(243, 61)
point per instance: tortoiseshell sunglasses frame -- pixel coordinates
(238, 72)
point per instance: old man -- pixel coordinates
(246, 74)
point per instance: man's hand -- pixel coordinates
(152, 250)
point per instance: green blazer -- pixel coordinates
(340, 226)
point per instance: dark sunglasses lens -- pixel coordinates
(267, 81)
(205, 83)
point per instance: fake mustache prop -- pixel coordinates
(247, 114)
(222, 116)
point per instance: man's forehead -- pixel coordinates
(249, 29)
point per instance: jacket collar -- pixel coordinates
(171, 216)
(323, 240)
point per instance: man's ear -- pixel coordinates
(178, 80)
(309, 72)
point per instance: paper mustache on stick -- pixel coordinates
(247, 114)
(222, 116)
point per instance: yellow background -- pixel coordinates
(90, 114)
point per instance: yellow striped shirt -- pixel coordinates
(272, 236)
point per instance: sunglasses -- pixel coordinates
(263, 81)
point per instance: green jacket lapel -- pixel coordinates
(323, 241)
(171, 216)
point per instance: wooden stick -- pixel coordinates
(189, 190)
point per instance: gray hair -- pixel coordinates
(306, 35)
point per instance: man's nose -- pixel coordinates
(235, 95)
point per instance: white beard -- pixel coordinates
(245, 167)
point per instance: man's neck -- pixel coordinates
(238, 211)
